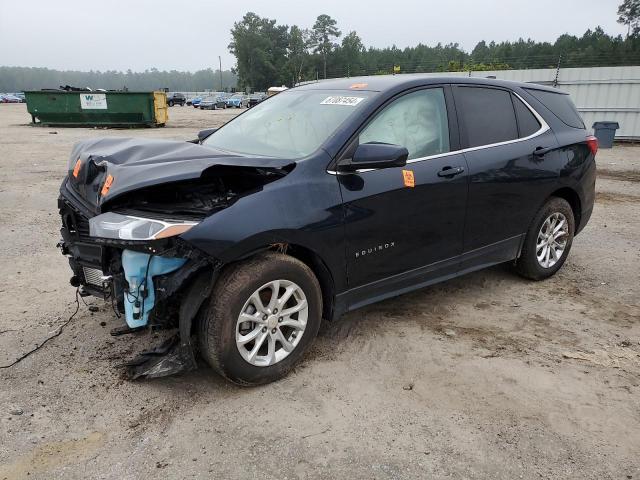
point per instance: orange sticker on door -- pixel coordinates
(409, 180)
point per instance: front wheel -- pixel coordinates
(548, 240)
(262, 317)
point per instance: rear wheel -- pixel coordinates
(548, 240)
(262, 317)
(171, 103)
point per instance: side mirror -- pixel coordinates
(203, 134)
(375, 155)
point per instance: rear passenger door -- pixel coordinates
(500, 134)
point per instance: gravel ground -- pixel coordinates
(485, 376)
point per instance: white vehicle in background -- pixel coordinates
(271, 91)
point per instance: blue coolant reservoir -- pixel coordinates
(137, 265)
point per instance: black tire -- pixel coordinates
(217, 322)
(171, 103)
(527, 265)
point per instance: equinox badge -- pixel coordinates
(378, 248)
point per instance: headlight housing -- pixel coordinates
(127, 227)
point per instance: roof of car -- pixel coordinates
(380, 83)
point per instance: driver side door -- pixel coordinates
(404, 225)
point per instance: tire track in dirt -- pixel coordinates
(624, 175)
(610, 197)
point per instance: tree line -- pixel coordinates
(269, 54)
(17, 79)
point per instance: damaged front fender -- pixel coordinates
(177, 354)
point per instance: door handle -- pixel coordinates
(542, 151)
(450, 171)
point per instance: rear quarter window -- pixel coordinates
(527, 122)
(560, 105)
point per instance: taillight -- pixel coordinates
(592, 143)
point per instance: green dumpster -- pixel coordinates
(89, 109)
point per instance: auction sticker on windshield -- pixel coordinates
(339, 100)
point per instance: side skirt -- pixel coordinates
(399, 284)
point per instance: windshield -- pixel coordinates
(292, 124)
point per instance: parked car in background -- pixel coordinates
(213, 103)
(329, 197)
(195, 101)
(9, 98)
(255, 99)
(176, 99)
(238, 100)
(20, 95)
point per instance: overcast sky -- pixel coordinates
(190, 34)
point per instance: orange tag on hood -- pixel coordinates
(107, 185)
(76, 168)
(409, 180)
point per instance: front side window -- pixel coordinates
(486, 114)
(416, 121)
(292, 124)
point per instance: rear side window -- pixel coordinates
(527, 122)
(487, 115)
(560, 105)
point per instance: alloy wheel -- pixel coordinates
(552, 240)
(271, 323)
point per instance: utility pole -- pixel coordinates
(220, 62)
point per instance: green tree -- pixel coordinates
(350, 53)
(260, 48)
(297, 52)
(480, 52)
(629, 15)
(324, 31)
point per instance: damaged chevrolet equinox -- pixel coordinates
(320, 200)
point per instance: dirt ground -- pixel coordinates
(486, 376)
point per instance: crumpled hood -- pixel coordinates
(135, 163)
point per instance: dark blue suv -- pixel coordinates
(322, 199)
